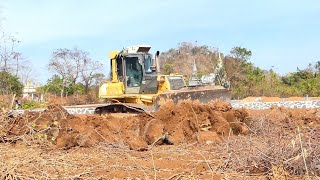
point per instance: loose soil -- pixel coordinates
(188, 140)
(277, 99)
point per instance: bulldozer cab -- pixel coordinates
(134, 74)
(136, 70)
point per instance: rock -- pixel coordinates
(208, 137)
(244, 130)
(137, 144)
(154, 131)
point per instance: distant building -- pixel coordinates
(30, 92)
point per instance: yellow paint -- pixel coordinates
(114, 72)
(163, 84)
(115, 89)
(146, 98)
(111, 90)
(113, 54)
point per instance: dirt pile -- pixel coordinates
(34, 127)
(58, 129)
(283, 143)
(173, 124)
(283, 115)
(185, 121)
(89, 130)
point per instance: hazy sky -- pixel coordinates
(281, 33)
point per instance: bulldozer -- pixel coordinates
(137, 84)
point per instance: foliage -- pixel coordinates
(167, 68)
(56, 85)
(246, 79)
(241, 53)
(306, 80)
(76, 69)
(32, 105)
(10, 84)
(180, 59)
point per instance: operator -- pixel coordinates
(134, 75)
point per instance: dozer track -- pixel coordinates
(122, 108)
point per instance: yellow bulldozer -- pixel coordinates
(137, 85)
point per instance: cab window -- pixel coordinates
(133, 72)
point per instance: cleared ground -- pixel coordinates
(184, 141)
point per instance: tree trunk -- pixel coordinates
(86, 88)
(61, 95)
(12, 101)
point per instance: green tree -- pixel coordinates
(243, 75)
(306, 81)
(241, 53)
(167, 68)
(74, 66)
(56, 85)
(10, 84)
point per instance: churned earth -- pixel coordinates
(189, 140)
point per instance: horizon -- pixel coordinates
(283, 35)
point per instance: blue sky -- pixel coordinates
(281, 33)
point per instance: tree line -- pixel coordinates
(75, 72)
(246, 79)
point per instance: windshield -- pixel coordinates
(147, 64)
(133, 71)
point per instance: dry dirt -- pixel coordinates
(277, 99)
(185, 141)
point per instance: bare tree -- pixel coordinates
(26, 73)
(63, 63)
(74, 65)
(90, 73)
(9, 57)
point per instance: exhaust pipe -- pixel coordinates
(156, 59)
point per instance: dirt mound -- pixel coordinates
(183, 121)
(172, 124)
(282, 115)
(283, 143)
(35, 127)
(89, 130)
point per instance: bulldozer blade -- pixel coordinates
(202, 95)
